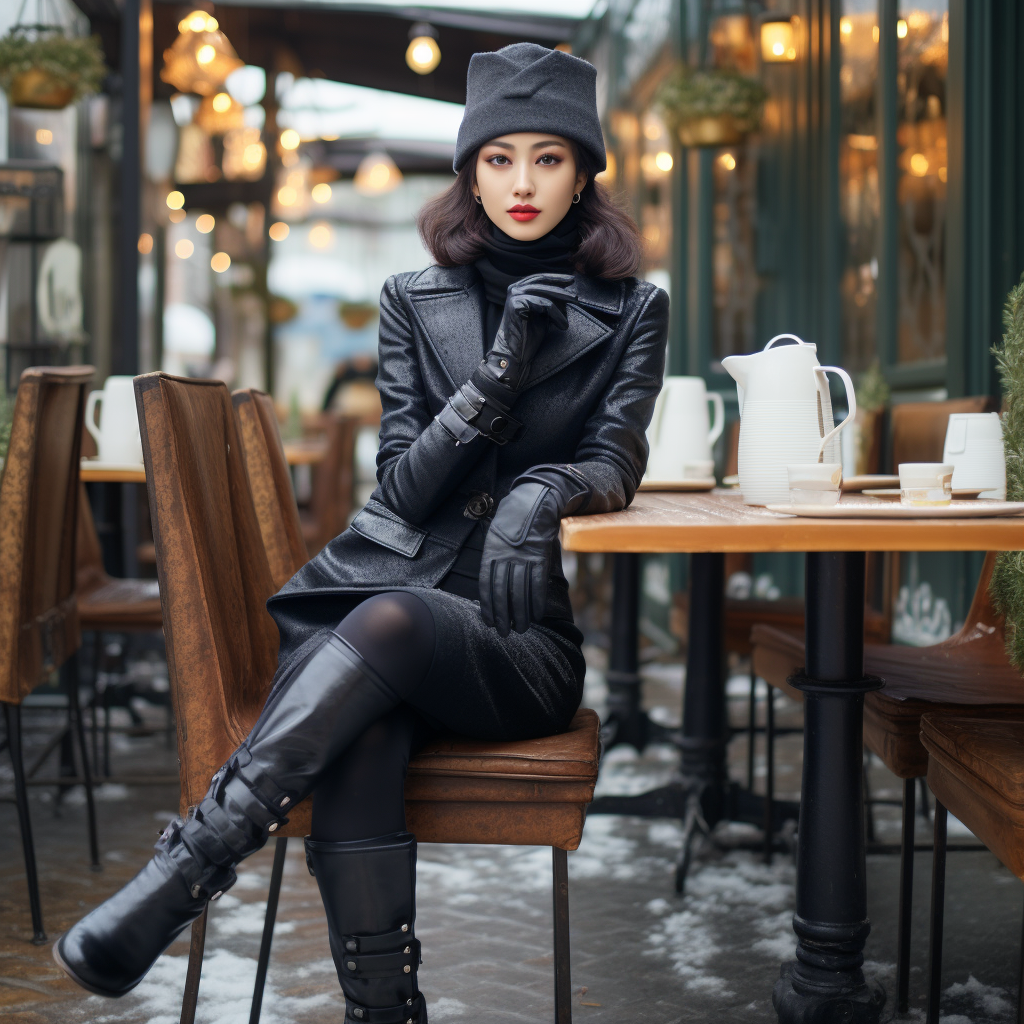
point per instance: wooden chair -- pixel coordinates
(108, 605)
(913, 675)
(39, 629)
(221, 644)
(975, 770)
(271, 484)
(333, 482)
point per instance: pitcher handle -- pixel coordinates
(779, 337)
(90, 415)
(718, 420)
(851, 400)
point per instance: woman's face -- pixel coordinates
(526, 182)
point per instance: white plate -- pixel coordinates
(868, 509)
(113, 467)
(677, 485)
(893, 493)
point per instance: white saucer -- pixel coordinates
(868, 509)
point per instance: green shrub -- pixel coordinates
(712, 92)
(73, 62)
(1007, 587)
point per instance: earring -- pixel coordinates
(479, 200)
(576, 197)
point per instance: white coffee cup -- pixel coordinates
(117, 438)
(815, 483)
(974, 447)
(926, 483)
(681, 435)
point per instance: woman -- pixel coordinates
(443, 606)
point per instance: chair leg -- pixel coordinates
(12, 716)
(268, 929)
(95, 702)
(195, 968)
(751, 729)
(769, 779)
(937, 912)
(70, 671)
(906, 897)
(563, 976)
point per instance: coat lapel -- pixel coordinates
(449, 305)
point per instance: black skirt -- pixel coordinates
(479, 684)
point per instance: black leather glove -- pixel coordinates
(482, 404)
(517, 551)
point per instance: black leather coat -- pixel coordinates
(588, 402)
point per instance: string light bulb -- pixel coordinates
(422, 54)
(201, 58)
(376, 174)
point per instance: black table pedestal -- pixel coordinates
(825, 984)
(702, 794)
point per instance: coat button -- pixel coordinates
(479, 505)
(498, 424)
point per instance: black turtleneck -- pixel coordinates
(508, 260)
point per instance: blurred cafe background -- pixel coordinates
(227, 186)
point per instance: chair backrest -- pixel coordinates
(213, 571)
(271, 483)
(919, 428)
(38, 505)
(334, 480)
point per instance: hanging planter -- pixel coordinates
(712, 107)
(43, 68)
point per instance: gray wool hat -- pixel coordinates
(525, 87)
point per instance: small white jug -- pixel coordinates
(118, 439)
(974, 447)
(680, 434)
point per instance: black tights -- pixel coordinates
(361, 795)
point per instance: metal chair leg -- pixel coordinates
(12, 716)
(563, 977)
(769, 779)
(906, 898)
(937, 913)
(195, 968)
(751, 729)
(277, 872)
(70, 672)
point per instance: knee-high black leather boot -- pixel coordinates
(327, 701)
(369, 892)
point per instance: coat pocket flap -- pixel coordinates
(378, 523)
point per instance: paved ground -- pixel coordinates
(639, 952)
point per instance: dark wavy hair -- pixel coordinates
(454, 227)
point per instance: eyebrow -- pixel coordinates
(536, 145)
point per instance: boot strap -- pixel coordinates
(409, 1012)
(385, 942)
(382, 965)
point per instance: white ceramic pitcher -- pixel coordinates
(117, 438)
(785, 415)
(680, 434)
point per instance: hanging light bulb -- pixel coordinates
(201, 57)
(376, 174)
(220, 113)
(778, 41)
(422, 54)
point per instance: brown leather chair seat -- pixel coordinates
(976, 770)
(520, 793)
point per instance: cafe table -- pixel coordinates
(825, 982)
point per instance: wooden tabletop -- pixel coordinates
(664, 522)
(305, 452)
(107, 474)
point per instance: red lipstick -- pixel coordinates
(522, 212)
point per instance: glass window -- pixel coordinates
(859, 206)
(656, 163)
(923, 58)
